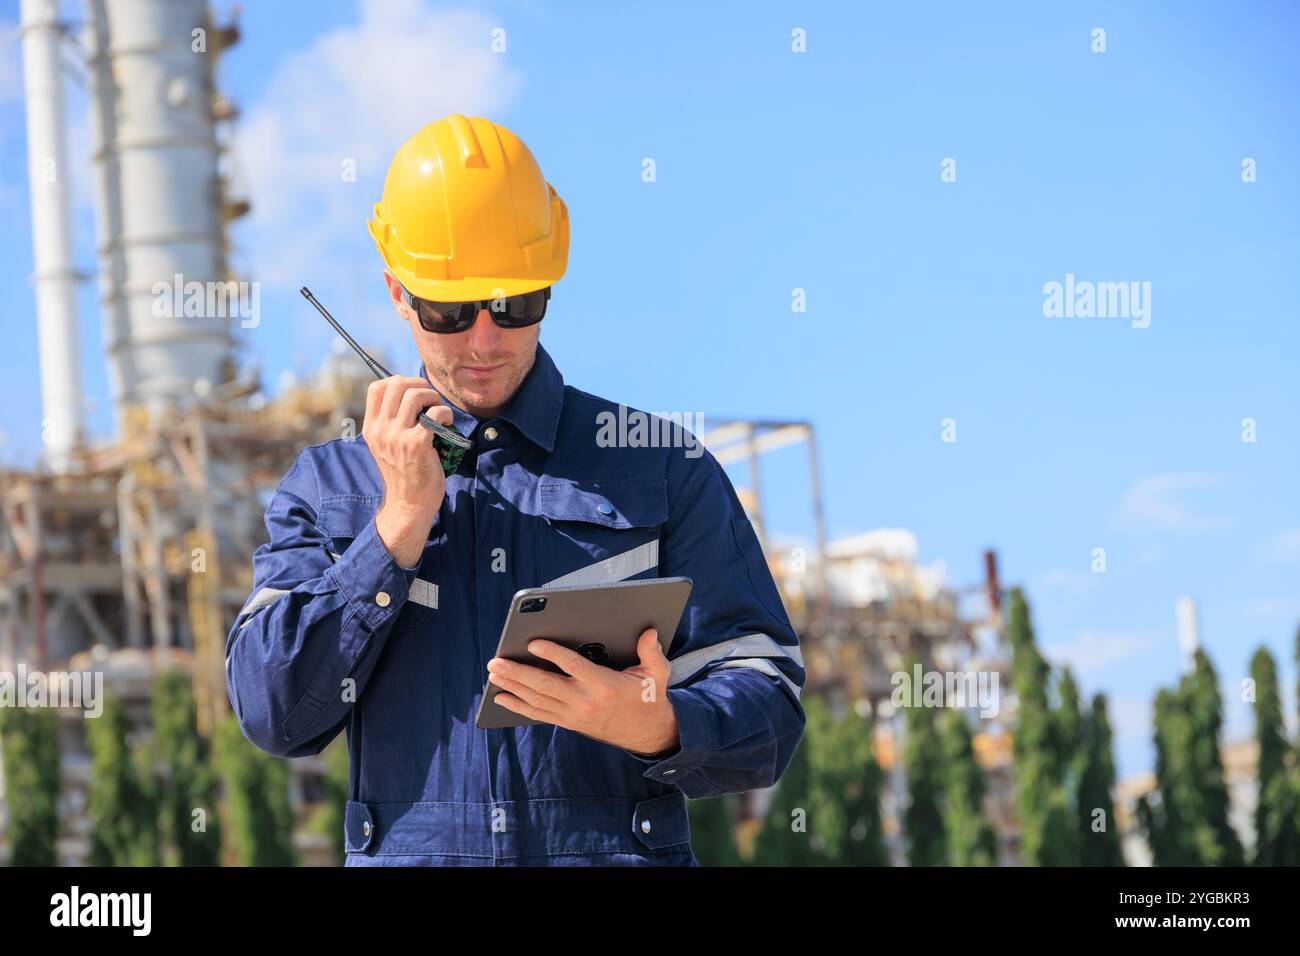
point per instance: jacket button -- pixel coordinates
(604, 508)
(490, 433)
(645, 826)
(382, 599)
(365, 828)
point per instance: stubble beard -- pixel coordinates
(441, 377)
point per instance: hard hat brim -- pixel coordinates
(470, 288)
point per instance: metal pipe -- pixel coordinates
(159, 197)
(54, 272)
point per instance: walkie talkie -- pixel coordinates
(450, 444)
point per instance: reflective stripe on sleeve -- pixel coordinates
(750, 650)
(767, 667)
(261, 599)
(617, 568)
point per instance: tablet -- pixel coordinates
(602, 622)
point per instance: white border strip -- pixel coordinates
(423, 592)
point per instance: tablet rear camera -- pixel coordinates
(532, 605)
(595, 653)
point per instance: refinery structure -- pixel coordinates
(133, 556)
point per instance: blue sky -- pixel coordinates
(821, 170)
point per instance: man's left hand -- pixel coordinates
(629, 708)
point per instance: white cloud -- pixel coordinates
(1063, 581)
(1150, 554)
(1281, 547)
(355, 94)
(1271, 609)
(1093, 650)
(1156, 504)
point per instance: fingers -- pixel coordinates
(441, 414)
(572, 663)
(512, 703)
(374, 399)
(648, 647)
(556, 686)
(416, 400)
(395, 392)
(535, 699)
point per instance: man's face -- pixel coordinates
(479, 369)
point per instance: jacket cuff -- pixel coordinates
(371, 579)
(697, 733)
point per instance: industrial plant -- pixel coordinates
(132, 557)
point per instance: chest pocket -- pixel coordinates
(343, 518)
(596, 532)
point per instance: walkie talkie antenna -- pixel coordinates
(451, 444)
(379, 370)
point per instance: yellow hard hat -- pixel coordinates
(466, 214)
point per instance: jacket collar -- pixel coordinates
(534, 409)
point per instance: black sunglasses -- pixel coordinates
(508, 312)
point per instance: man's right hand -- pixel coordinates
(414, 484)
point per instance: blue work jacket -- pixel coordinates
(337, 635)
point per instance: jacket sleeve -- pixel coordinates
(737, 671)
(314, 620)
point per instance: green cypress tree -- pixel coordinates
(784, 839)
(187, 792)
(1205, 711)
(1171, 826)
(1191, 822)
(844, 811)
(1059, 834)
(121, 803)
(1278, 840)
(971, 841)
(29, 738)
(1099, 842)
(829, 773)
(1277, 837)
(259, 825)
(1048, 836)
(713, 831)
(864, 841)
(1069, 726)
(330, 815)
(1149, 823)
(923, 824)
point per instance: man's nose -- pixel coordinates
(484, 333)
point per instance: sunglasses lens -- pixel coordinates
(511, 312)
(521, 310)
(445, 316)
(527, 308)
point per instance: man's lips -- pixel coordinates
(481, 370)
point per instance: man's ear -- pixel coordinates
(395, 292)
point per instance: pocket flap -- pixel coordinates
(618, 503)
(346, 516)
(662, 821)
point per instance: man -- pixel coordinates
(378, 603)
